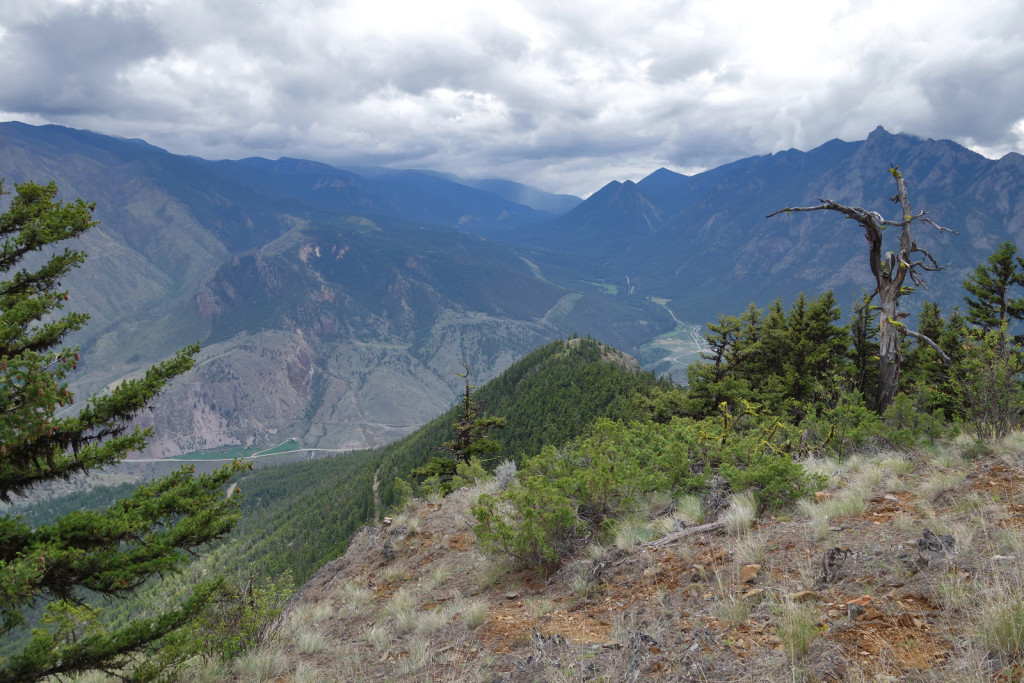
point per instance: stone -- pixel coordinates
(802, 596)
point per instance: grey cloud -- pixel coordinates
(685, 63)
(70, 63)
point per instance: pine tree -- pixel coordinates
(471, 430)
(86, 553)
(990, 303)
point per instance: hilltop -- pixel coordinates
(900, 570)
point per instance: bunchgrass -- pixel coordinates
(393, 573)
(349, 660)
(690, 509)
(796, 626)
(742, 512)
(418, 654)
(378, 636)
(199, 670)
(897, 463)
(428, 622)
(436, 577)
(310, 641)
(474, 614)
(538, 607)
(662, 526)
(353, 598)
(260, 665)
(581, 586)
(631, 532)
(491, 571)
(306, 673)
(819, 517)
(749, 549)
(1001, 623)
(731, 609)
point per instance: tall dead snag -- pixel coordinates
(890, 271)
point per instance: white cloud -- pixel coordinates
(563, 95)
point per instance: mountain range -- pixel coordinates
(334, 305)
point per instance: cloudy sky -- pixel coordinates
(564, 95)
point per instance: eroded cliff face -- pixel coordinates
(275, 385)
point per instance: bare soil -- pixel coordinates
(874, 584)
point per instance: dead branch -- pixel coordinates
(946, 360)
(683, 533)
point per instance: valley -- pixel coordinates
(678, 348)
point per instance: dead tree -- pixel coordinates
(891, 271)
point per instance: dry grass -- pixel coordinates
(749, 549)
(264, 664)
(632, 531)
(677, 611)
(690, 509)
(742, 512)
(796, 625)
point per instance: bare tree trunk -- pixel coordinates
(890, 273)
(889, 359)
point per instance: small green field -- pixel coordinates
(242, 452)
(675, 349)
(601, 284)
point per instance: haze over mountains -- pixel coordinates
(334, 305)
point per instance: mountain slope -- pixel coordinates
(333, 308)
(704, 241)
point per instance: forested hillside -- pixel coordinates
(296, 517)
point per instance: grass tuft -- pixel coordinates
(378, 636)
(631, 532)
(690, 509)
(474, 614)
(741, 513)
(310, 641)
(260, 665)
(749, 549)
(796, 626)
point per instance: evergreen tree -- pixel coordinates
(770, 359)
(84, 553)
(990, 303)
(472, 428)
(471, 441)
(864, 338)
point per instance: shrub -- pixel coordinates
(564, 497)
(505, 475)
(908, 424)
(988, 385)
(236, 620)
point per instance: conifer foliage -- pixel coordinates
(990, 301)
(472, 427)
(85, 553)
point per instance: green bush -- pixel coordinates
(565, 497)
(533, 522)
(235, 620)
(988, 385)
(908, 424)
(843, 424)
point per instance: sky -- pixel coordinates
(565, 96)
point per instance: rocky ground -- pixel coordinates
(907, 568)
